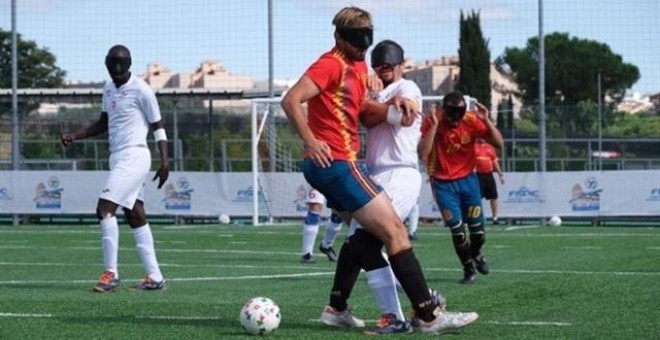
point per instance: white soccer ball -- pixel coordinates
(554, 221)
(260, 316)
(224, 219)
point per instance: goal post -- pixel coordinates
(276, 155)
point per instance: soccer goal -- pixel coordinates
(276, 159)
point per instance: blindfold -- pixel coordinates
(117, 66)
(361, 37)
(386, 55)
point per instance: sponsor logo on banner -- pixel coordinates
(179, 196)
(299, 201)
(4, 194)
(245, 195)
(48, 195)
(434, 207)
(654, 196)
(524, 195)
(586, 198)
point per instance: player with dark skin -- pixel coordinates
(135, 217)
(129, 110)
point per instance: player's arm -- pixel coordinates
(498, 169)
(292, 103)
(160, 137)
(95, 129)
(493, 136)
(429, 128)
(398, 111)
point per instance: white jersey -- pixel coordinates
(130, 108)
(390, 146)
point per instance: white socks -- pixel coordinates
(144, 243)
(382, 285)
(309, 237)
(110, 243)
(331, 231)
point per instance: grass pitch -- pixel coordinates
(545, 283)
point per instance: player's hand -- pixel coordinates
(374, 85)
(162, 174)
(501, 179)
(435, 115)
(319, 152)
(482, 111)
(66, 139)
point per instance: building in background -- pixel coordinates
(439, 76)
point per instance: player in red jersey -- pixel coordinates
(335, 90)
(447, 146)
(486, 164)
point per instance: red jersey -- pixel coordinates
(452, 156)
(485, 158)
(333, 114)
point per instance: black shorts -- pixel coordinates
(488, 186)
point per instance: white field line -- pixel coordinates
(165, 250)
(523, 227)
(514, 323)
(185, 279)
(210, 318)
(176, 317)
(582, 248)
(25, 315)
(283, 231)
(330, 273)
(530, 323)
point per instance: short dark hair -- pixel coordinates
(454, 98)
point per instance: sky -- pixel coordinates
(182, 34)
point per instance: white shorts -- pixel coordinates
(128, 171)
(314, 196)
(403, 186)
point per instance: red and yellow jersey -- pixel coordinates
(485, 158)
(452, 156)
(333, 114)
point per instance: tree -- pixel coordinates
(474, 60)
(571, 73)
(36, 67)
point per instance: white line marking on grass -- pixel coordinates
(176, 265)
(653, 248)
(24, 315)
(176, 317)
(165, 250)
(582, 248)
(251, 277)
(530, 323)
(523, 227)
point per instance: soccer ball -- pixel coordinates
(260, 316)
(554, 221)
(224, 219)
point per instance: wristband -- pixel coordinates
(160, 135)
(394, 116)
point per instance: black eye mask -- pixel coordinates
(386, 55)
(455, 113)
(117, 66)
(360, 38)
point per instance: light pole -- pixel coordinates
(600, 124)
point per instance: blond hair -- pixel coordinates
(351, 17)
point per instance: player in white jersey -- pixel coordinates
(392, 160)
(128, 110)
(315, 202)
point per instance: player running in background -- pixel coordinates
(128, 109)
(334, 88)
(486, 164)
(315, 202)
(447, 145)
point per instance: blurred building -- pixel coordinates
(439, 76)
(209, 75)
